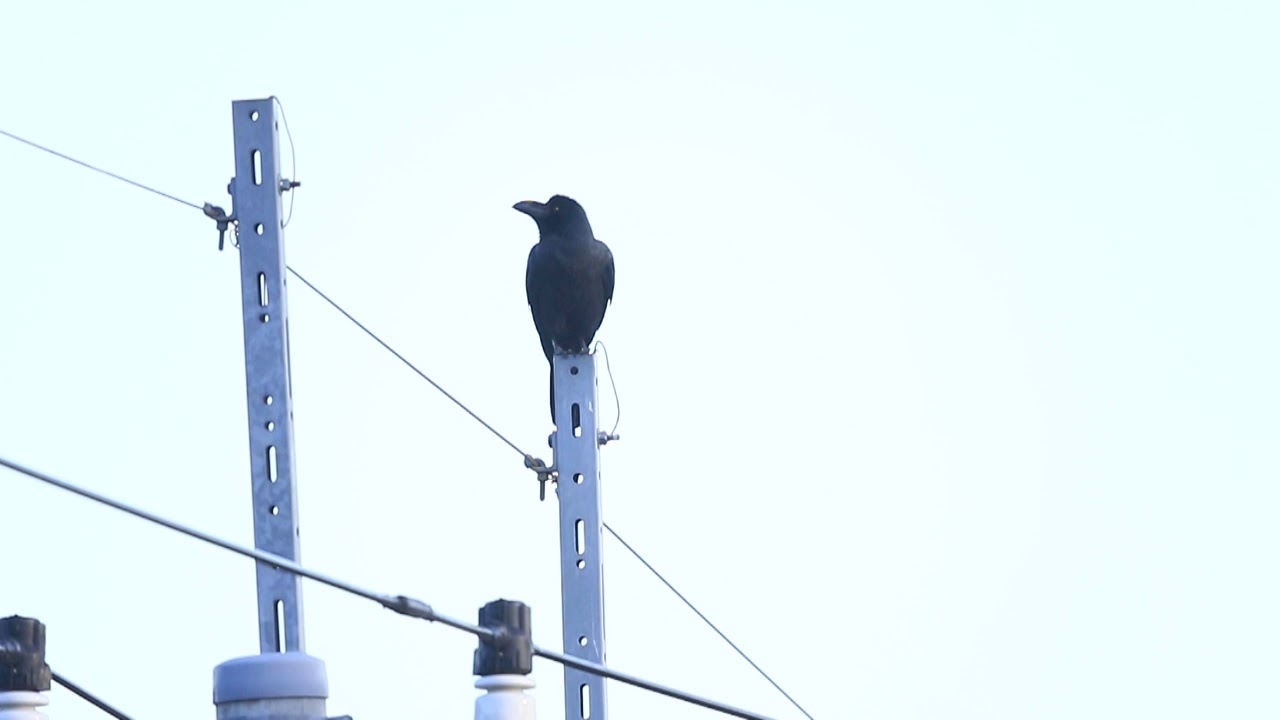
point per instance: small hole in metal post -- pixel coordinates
(263, 297)
(580, 536)
(280, 626)
(256, 155)
(268, 400)
(582, 640)
(271, 426)
(577, 420)
(271, 463)
(275, 509)
(266, 318)
(577, 478)
(584, 697)
(573, 369)
(257, 228)
(582, 564)
(253, 115)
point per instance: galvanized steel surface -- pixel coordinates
(256, 194)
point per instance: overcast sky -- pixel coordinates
(945, 339)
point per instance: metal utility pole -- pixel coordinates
(577, 462)
(282, 683)
(256, 195)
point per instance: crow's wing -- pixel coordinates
(605, 259)
(538, 293)
(607, 263)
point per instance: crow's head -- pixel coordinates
(559, 217)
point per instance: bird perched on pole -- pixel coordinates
(569, 279)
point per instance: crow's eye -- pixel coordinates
(555, 208)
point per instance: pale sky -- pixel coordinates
(945, 340)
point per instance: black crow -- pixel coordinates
(569, 279)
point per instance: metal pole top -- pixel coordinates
(270, 676)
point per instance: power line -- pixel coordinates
(399, 603)
(586, 666)
(513, 446)
(89, 697)
(405, 360)
(502, 437)
(95, 168)
(705, 619)
(531, 462)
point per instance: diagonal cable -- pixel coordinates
(398, 603)
(706, 620)
(95, 168)
(625, 544)
(530, 461)
(89, 697)
(406, 361)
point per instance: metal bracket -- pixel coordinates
(221, 217)
(544, 474)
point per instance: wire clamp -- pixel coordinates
(220, 216)
(544, 474)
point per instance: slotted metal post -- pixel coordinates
(282, 683)
(577, 461)
(256, 193)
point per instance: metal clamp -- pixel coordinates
(544, 474)
(221, 217)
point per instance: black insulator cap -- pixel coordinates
(510, 650)
(22, 665)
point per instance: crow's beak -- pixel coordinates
(532, 208)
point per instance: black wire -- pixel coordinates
(436, 385)
(594, 669)
(625, 544)
(104, 172)
(405, 360)
(399, 603)
(406, 606)
(706, 620)
(89, 697)
(491, 429)
(617, 419)
(315, 289)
